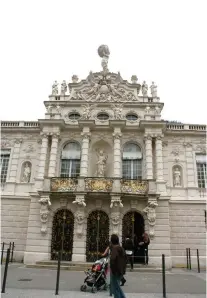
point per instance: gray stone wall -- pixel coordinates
(188, 230)
(14, 223)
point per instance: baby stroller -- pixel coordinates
(96, 276)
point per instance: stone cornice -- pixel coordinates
(188, 201)
(117, 123)
(51, 122)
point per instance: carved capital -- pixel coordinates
(187, 145)
(18, 141)
(116, 202)
(159, 137)
(117, 135)
(147, 137)
(80, 201)
(44, 135)
(86, 135)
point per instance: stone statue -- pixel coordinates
(117, 111)
(63, 87)
(116, 202)
(58, 109)
(147, 110)
(27, 173)
(151, 216)
(44, 212)
(177, 177)
(134, 79)
(101, 163)
(55, 88)
(157, 110)
(80, 201)
(144, 89)
(153, 88)
(75, 79)
(79, 219)
(49, 109)
(104, 53)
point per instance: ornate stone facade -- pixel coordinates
(103, 153)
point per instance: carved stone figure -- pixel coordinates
(26, 173)
(63, 87)
(153, 88)
(49, 109)
(79, 219)
(58, 109)
(117, 111)
(101, 163)
(80, 201)
(151, 216)
(157, 110)
(116, 202)
(147, 110)
(87, 111)
(29, 148)
(75, 79)
(134, 79)
(115, 220)
(144, 89)
(44, 212)
(55, 88)
(104, 53)
(177, 177)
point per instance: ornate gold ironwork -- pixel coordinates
(97, 235)
(64, 184)
(62, 235)
(98, 184)
(134, 186)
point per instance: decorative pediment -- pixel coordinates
(100, 87)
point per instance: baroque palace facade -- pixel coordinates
(103, 161)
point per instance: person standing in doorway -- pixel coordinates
(144, 246)
(117, 265)
(129, 249)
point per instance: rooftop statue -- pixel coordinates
(104, 53)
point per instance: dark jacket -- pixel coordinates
(118, 260)
(128, 244)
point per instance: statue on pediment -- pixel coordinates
(55, 88)
(104, 53)
(63, 87)
(144, 89)
(153, 88)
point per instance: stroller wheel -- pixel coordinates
(94, 290)
(83, 288)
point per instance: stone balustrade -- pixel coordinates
(19, 124)
(195, 127)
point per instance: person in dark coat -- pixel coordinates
(144, 246)
(117, 265)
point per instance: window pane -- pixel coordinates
(71, 151)
(5, 155)
(132, 169)
(70, 168)
(131, 151)
(201, 173)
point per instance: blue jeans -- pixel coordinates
(115, 286)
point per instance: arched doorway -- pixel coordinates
(97, 235)
(133, 226)
(62, 234)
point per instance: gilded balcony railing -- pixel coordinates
(134, 186)
(98, 184)
(64, 184)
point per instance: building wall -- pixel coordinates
(187, 230)
(14, 223)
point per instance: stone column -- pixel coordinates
(53, 155)
(117, 153)
(43, 156)
(148, 148)
(190, 171)
(159, 158)
(84, 153)
(15, 160)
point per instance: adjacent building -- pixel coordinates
(103, 161)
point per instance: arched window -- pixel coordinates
(132, 162)
(70, 160)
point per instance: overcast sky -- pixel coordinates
(162, 41)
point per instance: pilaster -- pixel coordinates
(53, 155)
(189, 165)
(43, 156)
(148, 148)
(85, 150)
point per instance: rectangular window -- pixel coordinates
(201, 170)
(132, 169)
(5, 156)
(70, 168)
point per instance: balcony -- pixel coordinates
(99, 185)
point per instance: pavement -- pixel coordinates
(25, 282)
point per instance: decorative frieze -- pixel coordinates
(98, 184)
(63, 184)
(134, 186)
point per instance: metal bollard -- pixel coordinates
(5, 271)
(189, 258)
(163, 276)
(58, 274)
(2, 253)
(12, 252)
(198, 261)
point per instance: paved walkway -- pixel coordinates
(32, 282)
